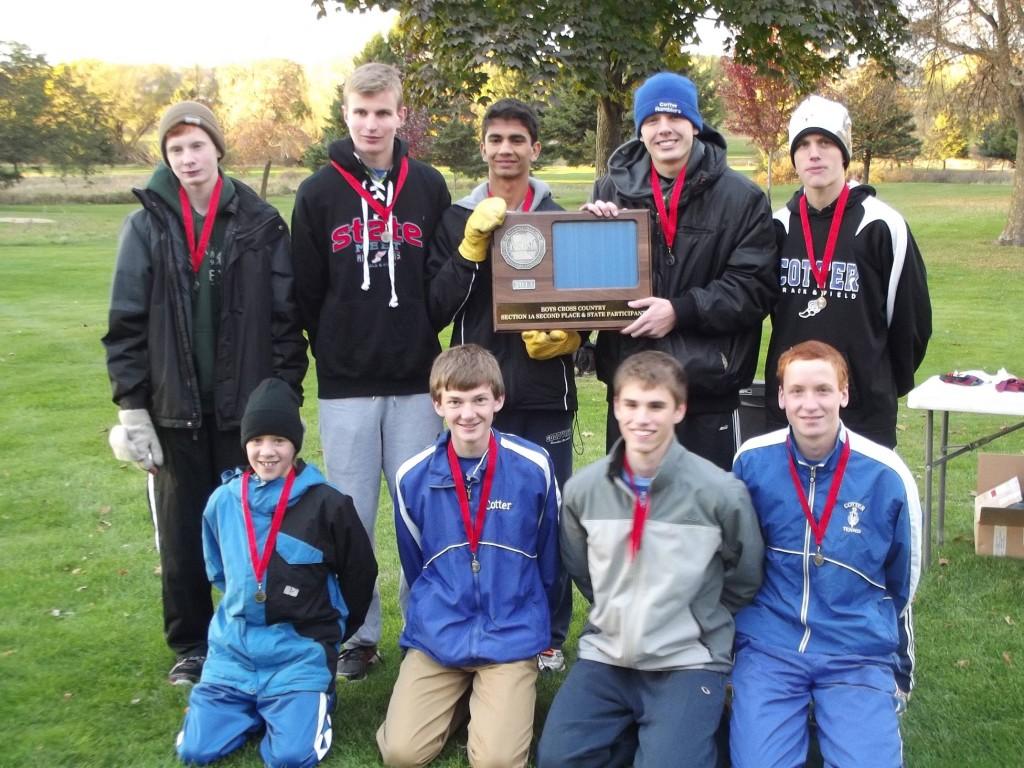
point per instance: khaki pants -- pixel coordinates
(425, 709)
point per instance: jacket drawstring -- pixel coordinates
(390, 235)
(366, 246)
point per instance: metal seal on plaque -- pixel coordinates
(523, 246)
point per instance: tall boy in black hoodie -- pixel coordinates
(360, 229)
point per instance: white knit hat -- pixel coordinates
(818, 115)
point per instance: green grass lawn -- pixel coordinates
(82, 659)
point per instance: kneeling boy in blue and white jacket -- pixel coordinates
(477, 526)
(832, 622)
(297, 572)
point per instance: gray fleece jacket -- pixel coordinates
(699, 562)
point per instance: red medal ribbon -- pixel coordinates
(527, 201)
(473, 531)
(382, 211)
(821, 274)
(818, 527)
(259, 564)
(641, 511)
(669, 219)
(198, 250)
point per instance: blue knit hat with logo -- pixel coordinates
(669, 93)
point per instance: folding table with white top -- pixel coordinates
(935, 395)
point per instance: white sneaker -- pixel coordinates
(551, 660)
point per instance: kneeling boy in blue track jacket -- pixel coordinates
(297, 572)
(477, 527)
(832, 622)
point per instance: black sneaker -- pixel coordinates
(355, 662)
(186, 670)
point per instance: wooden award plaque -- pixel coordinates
(569, 270)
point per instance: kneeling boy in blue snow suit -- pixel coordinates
(832, 622)
(297, 572)
(477, 526)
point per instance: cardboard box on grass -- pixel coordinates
(999, 530)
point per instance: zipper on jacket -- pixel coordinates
(474, 646)
(806, 599)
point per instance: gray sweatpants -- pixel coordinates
(361, 437)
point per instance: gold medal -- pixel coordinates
(475, 565)
(819, 559)
(261, 596)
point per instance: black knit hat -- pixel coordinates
(273, 409)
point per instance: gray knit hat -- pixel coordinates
(191, 113)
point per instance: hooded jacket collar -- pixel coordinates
(343, 152)
(857, 194)
(541, 192)
(629, 167)
(165, 185)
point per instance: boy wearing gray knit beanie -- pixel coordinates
(201, 311)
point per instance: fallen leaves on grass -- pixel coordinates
(68, 695)
(943, 561)
(587, 434)
(1008, 620)
(9, 652)
(1007, 659)
(963, 663)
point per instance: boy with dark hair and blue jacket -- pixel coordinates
(477, 527)
(297, 571)
(832, 622)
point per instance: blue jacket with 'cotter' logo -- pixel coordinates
(501, 612)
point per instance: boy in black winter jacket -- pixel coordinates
(713, 261)
(202, 309)
(360, 231)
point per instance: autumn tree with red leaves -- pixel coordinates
(757, 106)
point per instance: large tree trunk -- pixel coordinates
(867, 168)
(609, 131)
(1013, 233)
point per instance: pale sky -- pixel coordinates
(187, 32)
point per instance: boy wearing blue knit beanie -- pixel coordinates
(713, 257)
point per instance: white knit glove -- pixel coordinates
(134, 439)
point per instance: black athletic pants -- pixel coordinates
(193, 463)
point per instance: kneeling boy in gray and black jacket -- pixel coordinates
(667, 548)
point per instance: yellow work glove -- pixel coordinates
(544, 345)
(487, 217)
